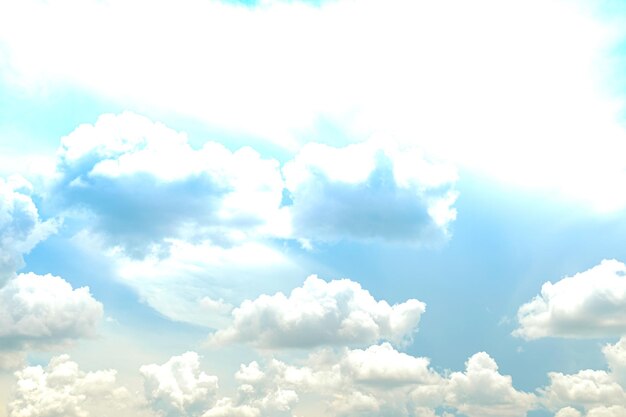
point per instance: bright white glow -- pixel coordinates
(509, 89)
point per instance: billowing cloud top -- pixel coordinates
(589, 304)
(178, 387)
(321, 313)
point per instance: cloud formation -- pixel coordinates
(21, 228)
(589, 304)
(321, 313)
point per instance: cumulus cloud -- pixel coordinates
(178, 387)
(369, 191)
(62, 389)
(589, 304)
(39, 312)
(481, 391)
(142, 183)
(587, 388)
(321, 313)
(589, 393)
(21, 228)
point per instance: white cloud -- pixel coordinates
(39, 312)
(481, 391)
(490, 103)
(598, 393)
(63, 390)
(143, 184)
(587, 388)
(589, 304)
(321, 313)
(21, 228)
(369, 191)
(178, 387)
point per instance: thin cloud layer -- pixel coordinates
(321, 313)
(589, 304)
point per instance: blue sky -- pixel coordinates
(339, 208)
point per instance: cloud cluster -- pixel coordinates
(62, 389)
(380, 380)
(589, 304)
(21, 228)
(143, 185)
(338, 312)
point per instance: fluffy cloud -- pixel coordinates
(178, 387)
(20, 225)
(484, 103)
(38, 312)
(589, 304)
(481, 391)
(62, 389)
(142, 183)
(321, 313)
(369, 191)
(587, 388)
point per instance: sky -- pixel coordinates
(332, 208)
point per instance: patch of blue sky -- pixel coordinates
(505, 245)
